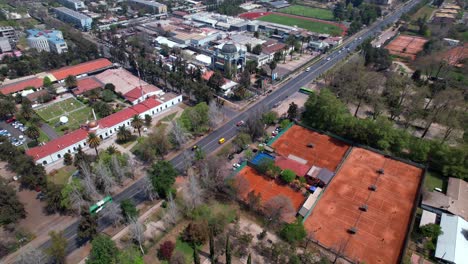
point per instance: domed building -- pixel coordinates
(229, 54)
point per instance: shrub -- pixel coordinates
(165, 250)
(294, 232)
(288, 176)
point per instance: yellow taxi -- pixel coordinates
(221, 140)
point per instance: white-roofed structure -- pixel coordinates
(452, 245)
(307, 206)
(427, 218)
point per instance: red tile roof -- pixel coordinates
(273, 48)
(87, 84)
(285, 163)
(86, 67)
(207, 75)
(21, 85)
(57, 144)
(136, 92)
(34, 96)
(128, 113)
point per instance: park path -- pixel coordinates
(49, 131)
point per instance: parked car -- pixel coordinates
(11, 120)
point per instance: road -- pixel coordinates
(210, 143)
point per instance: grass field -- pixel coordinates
(302, 23)
(308, 12)
(77, 114)
(62, 175)
(434, 180)
(425, 11)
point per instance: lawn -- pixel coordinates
(308, 12)
(302, 23)
(435, 180)
(169, 118)
(43, 136)
(59, 109)
(62, 175)
(425, 11)
(184, 248)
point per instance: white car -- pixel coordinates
(307, 69)
(328, 59)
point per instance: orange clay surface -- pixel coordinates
(326, 153)
(268, 188)
(381, 230)
(406, 46)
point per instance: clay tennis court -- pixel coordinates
(381, 230)
(253, 15)
(406, 46)
(268, 189)
(326, 153)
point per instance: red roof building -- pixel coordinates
(21, 85)
(273, 48)
(127, 113)
(82, 68)
(87, 84)
(57, 144)
(285, 163)
(138, 92)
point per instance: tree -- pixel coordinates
(212, 247)
(103, 251)
(104, 179)
(33, 133)
(215, 115)
(148, 189)
(165, 250)
(196, 256)
(294, 232)
(107, 96)
(162, 175)
(256, 34)
(123, 134)
(216, 81)
(11, 209)
(93, 142)
(245, 79)
(70, 81)
(292, 111)
(279, 208)
(195, 233)
(249, 259)
(254, 126)
(53, 197)
(272, 67)
(172, 214)
(241, 140)
(110, 87)
(67, 159)
(72, 196)
(128, 209)
(159, 142)
(269, 117)
(26, 109)
(31, 256)
(102, 109)
(87, 227)
(228, 251)
(257, 49)
(137, 231)
(432, 231)
(193, 196)
(137, 123)
(58, 245)
(148, 120)
(178, 136)
(113, 213)
(288, 176)
(130, 255)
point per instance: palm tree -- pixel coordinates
(94, 141)
(33, 133)
(272, 66)
(137, 123)
(123, 135)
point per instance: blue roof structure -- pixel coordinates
(54, 36)
(257, 160)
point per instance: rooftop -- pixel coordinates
(21, 85)
(128, 113)
(51, 35)
(455, 201)
(138, 92)
(82, 68)
(123, 80)
(72, 13)
(150, 3)
(87, 84)
(452, 244)
(285, 163)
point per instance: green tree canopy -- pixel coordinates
(103, 251)
(288, 175)
(294, 232)
(162, 175)
(11, 209)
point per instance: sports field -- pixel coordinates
(309, 24)
(327, 152)
(268, 189)
(406, 46)
(308, 12)
(380, 231)
(77, 114)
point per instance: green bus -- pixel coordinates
(97, 207)
(305, 90)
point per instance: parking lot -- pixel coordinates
(15, 135)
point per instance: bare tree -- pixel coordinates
(242, 186)
(148, 188)
(104, 178)
(137, 231)
(117, 169)
(338, 249)
(88, 182)
(113, 213)
(188, 159)
(172, 214)
(178, 135)
(215, 115)
(212, 174)
(193, 195)
(132, 165)
(77, 202)
(32, 256)
(279, 208)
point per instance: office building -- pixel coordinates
(5, 45)
(151, 6)
(47, 40)
(77, 19)
(73, 4)
(10, 34)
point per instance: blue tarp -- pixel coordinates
(261, 156)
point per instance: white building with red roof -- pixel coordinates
(54, 150)
(139, 94)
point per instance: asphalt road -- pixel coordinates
(229, 129)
